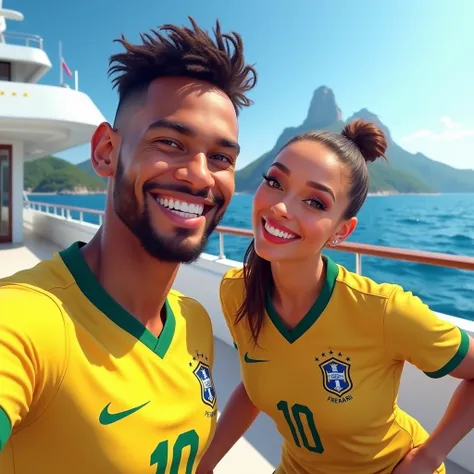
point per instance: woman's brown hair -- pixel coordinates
(359, 142)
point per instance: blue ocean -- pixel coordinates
(437, 223)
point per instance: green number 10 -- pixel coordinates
(160, 454)
(299, 411)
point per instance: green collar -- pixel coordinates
(291, 335)
(96, 294)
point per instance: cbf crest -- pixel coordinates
(336, 376)
(208, 392)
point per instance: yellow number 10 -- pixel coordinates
(160, 454)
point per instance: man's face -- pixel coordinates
(174, 172)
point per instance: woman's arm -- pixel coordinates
(414, 333)
(458, 419)
(457, 422)
(239, 413)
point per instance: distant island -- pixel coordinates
(405, 172)
(55, 175)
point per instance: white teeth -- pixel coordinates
(278, 233)
(182, 208)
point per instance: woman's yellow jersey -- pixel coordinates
(86, 388)
(330, 384)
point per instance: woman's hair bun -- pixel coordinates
(369, 139)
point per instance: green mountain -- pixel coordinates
(405, 172)
(86, 166)
(438, 175)
(52, 174)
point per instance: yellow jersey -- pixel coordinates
(330, 384)
(85, 387)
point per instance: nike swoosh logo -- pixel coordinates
(252, 361)
(106, 418)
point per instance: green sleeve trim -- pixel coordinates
(235, 345)
(5, 428)
(456, 359)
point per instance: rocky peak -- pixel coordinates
(323, 110)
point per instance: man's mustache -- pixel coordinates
(201, 193)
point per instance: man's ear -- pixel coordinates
(105, 144)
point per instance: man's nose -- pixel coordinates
(196, 172)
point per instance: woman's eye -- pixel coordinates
(272, 182)
(316, 204)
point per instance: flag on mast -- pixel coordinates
(63, 66)
(66, 67)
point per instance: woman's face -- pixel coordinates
(300, 204)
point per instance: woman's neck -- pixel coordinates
(297, 286)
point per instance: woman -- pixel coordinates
(322, 349)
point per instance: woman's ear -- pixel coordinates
(343, 231)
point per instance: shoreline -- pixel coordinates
(88, 193)
(64, 193)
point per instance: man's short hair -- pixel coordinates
(185, 52)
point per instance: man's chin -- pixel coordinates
(175, 250)
(189, 252)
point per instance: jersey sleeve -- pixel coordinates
(32, 355)
(414, 333)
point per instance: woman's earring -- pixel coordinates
(334, 242)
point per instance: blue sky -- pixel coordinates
(408, 61)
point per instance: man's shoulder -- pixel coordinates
(31, 314)
(32, 292)
(45, 276)
(185, 304)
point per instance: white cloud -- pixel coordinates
(451, 131)
(453, 144)
(450, 123)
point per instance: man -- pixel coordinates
(104, 368)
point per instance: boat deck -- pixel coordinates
(259, 449)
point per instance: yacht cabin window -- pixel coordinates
(5, 71)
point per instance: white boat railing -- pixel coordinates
(23, 39)
(358, 249)
(63, 210)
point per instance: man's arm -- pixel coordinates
(33, 354)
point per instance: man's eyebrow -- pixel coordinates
(311, 184)
(173, 125)
(191, 132)
(226, 143)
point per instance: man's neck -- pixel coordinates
(138, 282)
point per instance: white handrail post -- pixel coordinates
(221, 245)
(358, 257)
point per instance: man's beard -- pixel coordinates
(166, 249)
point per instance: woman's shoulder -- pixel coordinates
(231, 282)
(231, 292)
(236, 273)
(366, 286)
